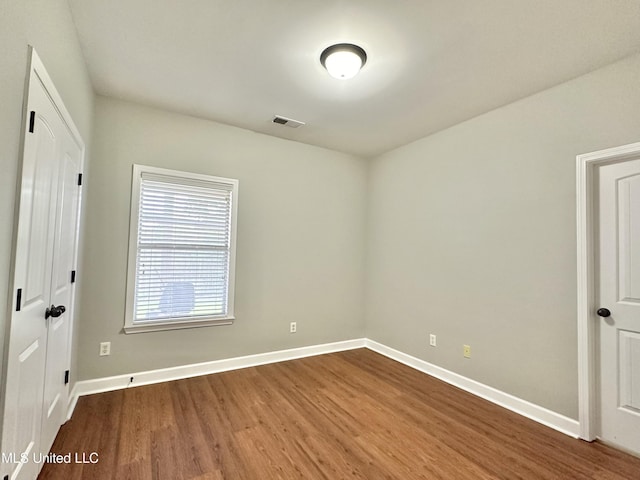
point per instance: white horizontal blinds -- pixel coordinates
(184, 233)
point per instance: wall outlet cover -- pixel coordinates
(105, 349)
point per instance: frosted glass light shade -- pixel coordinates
(344, 60)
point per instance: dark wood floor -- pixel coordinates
(352, 414)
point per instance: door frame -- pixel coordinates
(587, 229)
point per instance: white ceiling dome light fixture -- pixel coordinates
(343, 60)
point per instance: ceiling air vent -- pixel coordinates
(289, 122)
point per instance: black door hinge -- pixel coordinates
(73, 276)
(66, 377)
(19, 300)
(32, 121)
(79, 179)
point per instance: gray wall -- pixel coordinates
(300, 255)
(472, 236)
(47, 25)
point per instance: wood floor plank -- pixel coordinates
(135, 425)
(353, 414)
(159, 402)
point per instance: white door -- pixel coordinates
(618, 299)
(36, 344)
(56, 388)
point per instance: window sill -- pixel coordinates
(176, 325)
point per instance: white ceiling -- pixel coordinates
(431, 63)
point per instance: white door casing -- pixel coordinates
(607, 219)
(38, 349)
(618, 291)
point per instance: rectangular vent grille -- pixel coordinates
(289, 122)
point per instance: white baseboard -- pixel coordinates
(107, 384)
(527, 409)
(73, 400)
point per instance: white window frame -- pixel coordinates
(131, 326)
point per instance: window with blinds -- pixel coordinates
(181, 250)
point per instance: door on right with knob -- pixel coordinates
(618, 293)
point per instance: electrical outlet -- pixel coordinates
(293, 327)
(432, 340)
(466, 351)
(105, 348)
